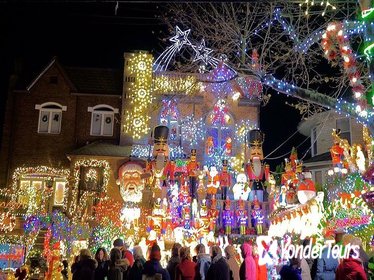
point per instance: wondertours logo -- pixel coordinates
(271, 250)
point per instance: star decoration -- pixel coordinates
(180, 38)
(202, 52)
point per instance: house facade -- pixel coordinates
(66, 134)
(319, 128)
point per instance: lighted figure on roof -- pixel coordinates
(130, 181)
(255, 168)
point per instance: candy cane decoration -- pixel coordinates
(333, 36)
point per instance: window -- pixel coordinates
(102, 120)
(314, 141)
(219, 131)
(169, 116)
(344, 125)
(318, 177)
(50, 116)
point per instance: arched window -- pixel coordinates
(102, 120)
(169, 116)
(219, 130)
(50, 117)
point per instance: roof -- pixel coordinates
(82, 80)
(319, 158)
(96, 80)
(103, 149)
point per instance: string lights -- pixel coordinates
(172, 83)
(140, 96)
(90, 163)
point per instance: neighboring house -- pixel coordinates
(319, 128)
(60, 129)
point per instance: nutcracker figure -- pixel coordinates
(192, 169)
(213, 181)
(228, 217)
(242, 217)
(258, 216)
(186, 215)
(225, 180)
(169, 171)
(160, 153)
(213, 215)
(255, 168)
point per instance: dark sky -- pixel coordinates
(91, 35)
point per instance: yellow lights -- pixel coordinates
(172, 84)
(136, 119)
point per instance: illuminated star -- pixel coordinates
(202, 52)
(180, 38)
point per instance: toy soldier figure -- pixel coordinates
(242, 217)
(225, 180)
(255, 168)
(228, 217)
(160, 153)
(193, 170)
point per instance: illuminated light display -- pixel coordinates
(140, 96)
(192, 130)
(335, 35)
(326, 4)
(75, 209)
(32, 187)
(165, 83)
(349, 212)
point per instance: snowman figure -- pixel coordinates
(241, 189)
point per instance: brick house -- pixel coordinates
(68, 115)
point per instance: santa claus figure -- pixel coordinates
(255, 167)
(241, 189)
(228, 217)
(306, 189)
(213, 181)
(225, 180)
(242, 217)
(130, 180)
(193, 170)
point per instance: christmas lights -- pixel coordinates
(174, 83)
(192, 130)
(322, 3)
(349, 212)
(93, 163)
(139, 96)
(335, 35)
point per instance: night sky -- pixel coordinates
(91, 35)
